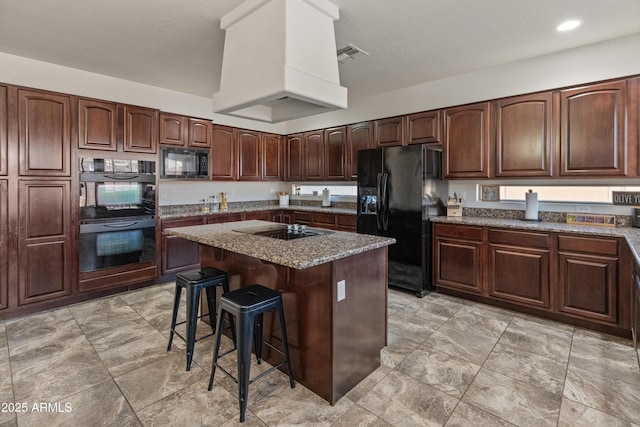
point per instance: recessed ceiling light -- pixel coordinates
(569, 25)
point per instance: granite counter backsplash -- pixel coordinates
(621, 220)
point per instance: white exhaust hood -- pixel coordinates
(279, 61)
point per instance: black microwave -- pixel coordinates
(184, 163)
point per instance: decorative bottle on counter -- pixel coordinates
(214, 204)
(223, 201)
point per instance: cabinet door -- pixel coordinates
(44, 254)
(423, 127)
(523, 135)
(323, 220)
(389, 132)
(249, 158)
(359, 137)
(302, 218)
(44, 133)
(173, 129)
(519, 275)
(3, 131)
(588, 286)
(294, 158)
(4, 245)
(466, 141)
(272, 157)
(260, 215)
(140, 129)
(223, 153)
(313, 156)
(199, 133)
(335, 140)
(177, 253)
(346, 222)
(219, 218)
(458, 265)
(97, 125)
(593, 134)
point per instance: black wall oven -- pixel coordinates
(117, 213)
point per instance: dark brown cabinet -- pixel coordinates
(44, 243)
(44, 133)
(519, 269)
(423, 128)
(4, 244)
(272, 157)
(466, 141)
(335, 162)
(294, 158)
(346, 222)
(588, 281)
(223, 153)
(523, 143)
(97, 125)
(389, 132)
(229, 217)
(199, 134)
(593, 130)
(177, 253)
(4, 154)
(173, 129)
(458, 258)
(313, 156)
(258, 215)
(359, 137)
(140, 129)
(249, 155)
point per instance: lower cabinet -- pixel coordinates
(219, 218)
(330, 221)
(635, 324)
(519, 267)
(4, 245)
(568, 276)
(177, 253)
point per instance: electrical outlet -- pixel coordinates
(341, 290)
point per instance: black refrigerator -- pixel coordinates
(399, 188)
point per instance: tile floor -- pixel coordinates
(449, 362)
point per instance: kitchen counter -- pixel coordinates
(298, 254)
(195, 211)
(334, 290)
(631, 234)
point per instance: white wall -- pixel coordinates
(190, 192)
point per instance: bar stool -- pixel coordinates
(247, 305)
(194, 281)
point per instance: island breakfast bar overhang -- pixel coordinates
(335, 337)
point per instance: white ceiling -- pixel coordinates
(177, 44)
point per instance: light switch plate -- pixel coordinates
(341, 290)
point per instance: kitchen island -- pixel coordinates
(334, 289)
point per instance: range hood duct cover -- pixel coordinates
(279, 61)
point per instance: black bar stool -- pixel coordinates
(194, 281)
(247, 305)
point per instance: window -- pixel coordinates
(570, 194)
(335, 190)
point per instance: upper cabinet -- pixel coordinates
(3, 130)
(173, 129)
(140, 129)
(389, 132)
(313, 156)
(199, 133)
(44, 133)
(593, 130)
(523, 136)
(335, 146)
(359, 137)
(223, 162)
(423, 128)
(466, 141)
(249, 155)
(293, 154)
(97, 125)
(272, 157)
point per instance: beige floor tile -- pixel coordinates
(535, 337)
(512, 400)
(396, 350)
(412, 327)
(466, 415)
(574, 414)
(38, 330)
(468, 320)
(432, 309)
(11, 422)
(465, 345)
(133, 353)
(358, 416)
(356, 393)
(104, 316)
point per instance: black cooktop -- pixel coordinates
(284, 231)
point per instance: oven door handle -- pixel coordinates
(121, 225)
(122, 178)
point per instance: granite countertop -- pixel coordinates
(299, 253)
(631, 234)
(182, 213)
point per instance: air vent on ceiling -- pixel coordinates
(349, 52)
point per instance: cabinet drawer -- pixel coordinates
(346, 220)
(182, 222)
(519, 238)
(302, 218)
(588, 244)
(324, 219)
(459, 231)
